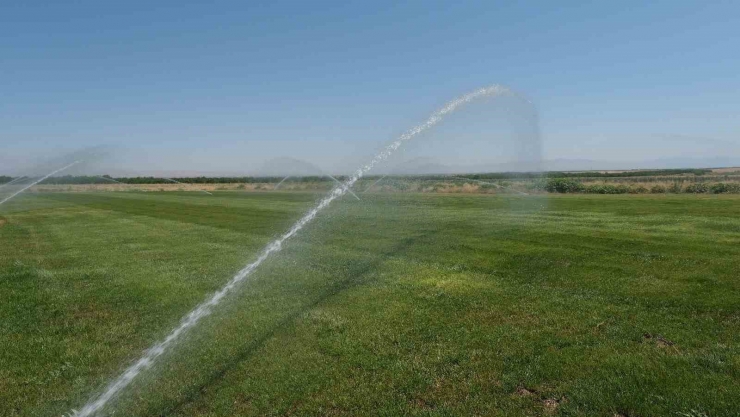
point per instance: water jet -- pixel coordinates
(151, 355)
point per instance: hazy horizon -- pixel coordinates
(408, 167)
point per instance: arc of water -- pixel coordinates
(39, 180)
(335, 180)
(281, 181)
(375, 183)
(111, 179)
(340, 183)
(12, 182)
(204, 309)
(178, 182)
(499, 186)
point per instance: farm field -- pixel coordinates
(399, 304)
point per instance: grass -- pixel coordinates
(401, 304)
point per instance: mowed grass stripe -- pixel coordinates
(264, 219)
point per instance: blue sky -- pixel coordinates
(224, 86)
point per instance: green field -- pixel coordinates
(399, 304)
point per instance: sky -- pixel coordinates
(227, 86)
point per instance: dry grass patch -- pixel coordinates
(726, 170)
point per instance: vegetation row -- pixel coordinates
(650, 174)
(564, 185)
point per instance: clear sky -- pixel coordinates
(224, 86)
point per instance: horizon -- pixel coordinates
(280, 167)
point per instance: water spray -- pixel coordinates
(111, 179)
(11, 182)
(204, 309)
(39, 180)
(375, 183)
(340, 183)
(281, 181)
(324, 174)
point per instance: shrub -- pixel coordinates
(537, 185)
(675, 188)
(602, 189)
(697, 188)
(563, 185)
(639, 190)
(723, 188)
(719, 188)
(657, 189)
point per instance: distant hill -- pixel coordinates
(420, 167)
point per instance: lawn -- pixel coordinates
(399, 304)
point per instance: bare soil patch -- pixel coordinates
(662, 343)
(551, 405)
(659, 340)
